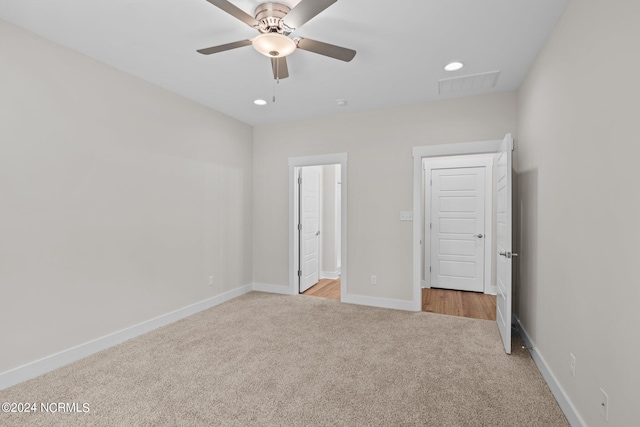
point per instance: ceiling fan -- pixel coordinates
(275, 22)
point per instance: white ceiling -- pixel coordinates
(402, 47)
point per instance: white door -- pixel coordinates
(503, 238)
(457, 228)
(310, 178)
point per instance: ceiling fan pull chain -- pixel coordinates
(277, 82)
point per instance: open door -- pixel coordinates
(504, 241)
(309, 182)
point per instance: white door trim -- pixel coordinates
(419, 153)
(319, 160)
(480, 160)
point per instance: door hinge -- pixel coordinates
(299, 273)
(299, 227)
(430, 226)
(430, 182)
(299, 180)
(429, 269)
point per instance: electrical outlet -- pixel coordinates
(374, 280)
(210, 280)
(604, 405)
(572, 364)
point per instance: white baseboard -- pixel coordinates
(333, 275)
(378, 302)
(563, 400)
(54, 361)
(272, 289)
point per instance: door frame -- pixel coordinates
(453, 162)
(318, 160)
(431, 151)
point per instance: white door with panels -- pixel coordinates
(309, 226)
(457, 228)
(504, 240)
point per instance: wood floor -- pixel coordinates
(440, 301)
(327, 288)
(459, 303)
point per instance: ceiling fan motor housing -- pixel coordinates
(270, 15)
(276, 22)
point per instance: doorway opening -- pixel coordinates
(459, 223)
(449, 242)
(317, 245)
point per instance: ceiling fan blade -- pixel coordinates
(235, 12)
(304, 11)
(280, 69)
(223, 47)
(326, 49)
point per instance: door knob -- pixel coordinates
(318, 233)
(507, 254)
(479, 235)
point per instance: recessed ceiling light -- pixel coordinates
(260, 102)
(341, 102)
(453, 66)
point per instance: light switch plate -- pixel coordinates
(406, 216)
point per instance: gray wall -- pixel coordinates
(380, 180)
(577, 170)
(118, 199)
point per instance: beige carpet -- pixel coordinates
(266, 359)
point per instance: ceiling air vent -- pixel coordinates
(468, 83)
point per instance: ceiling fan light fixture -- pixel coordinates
(274, 45)
(260, 102)
(453, 66)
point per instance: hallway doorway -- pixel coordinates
(318, 221)
(501, 250)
